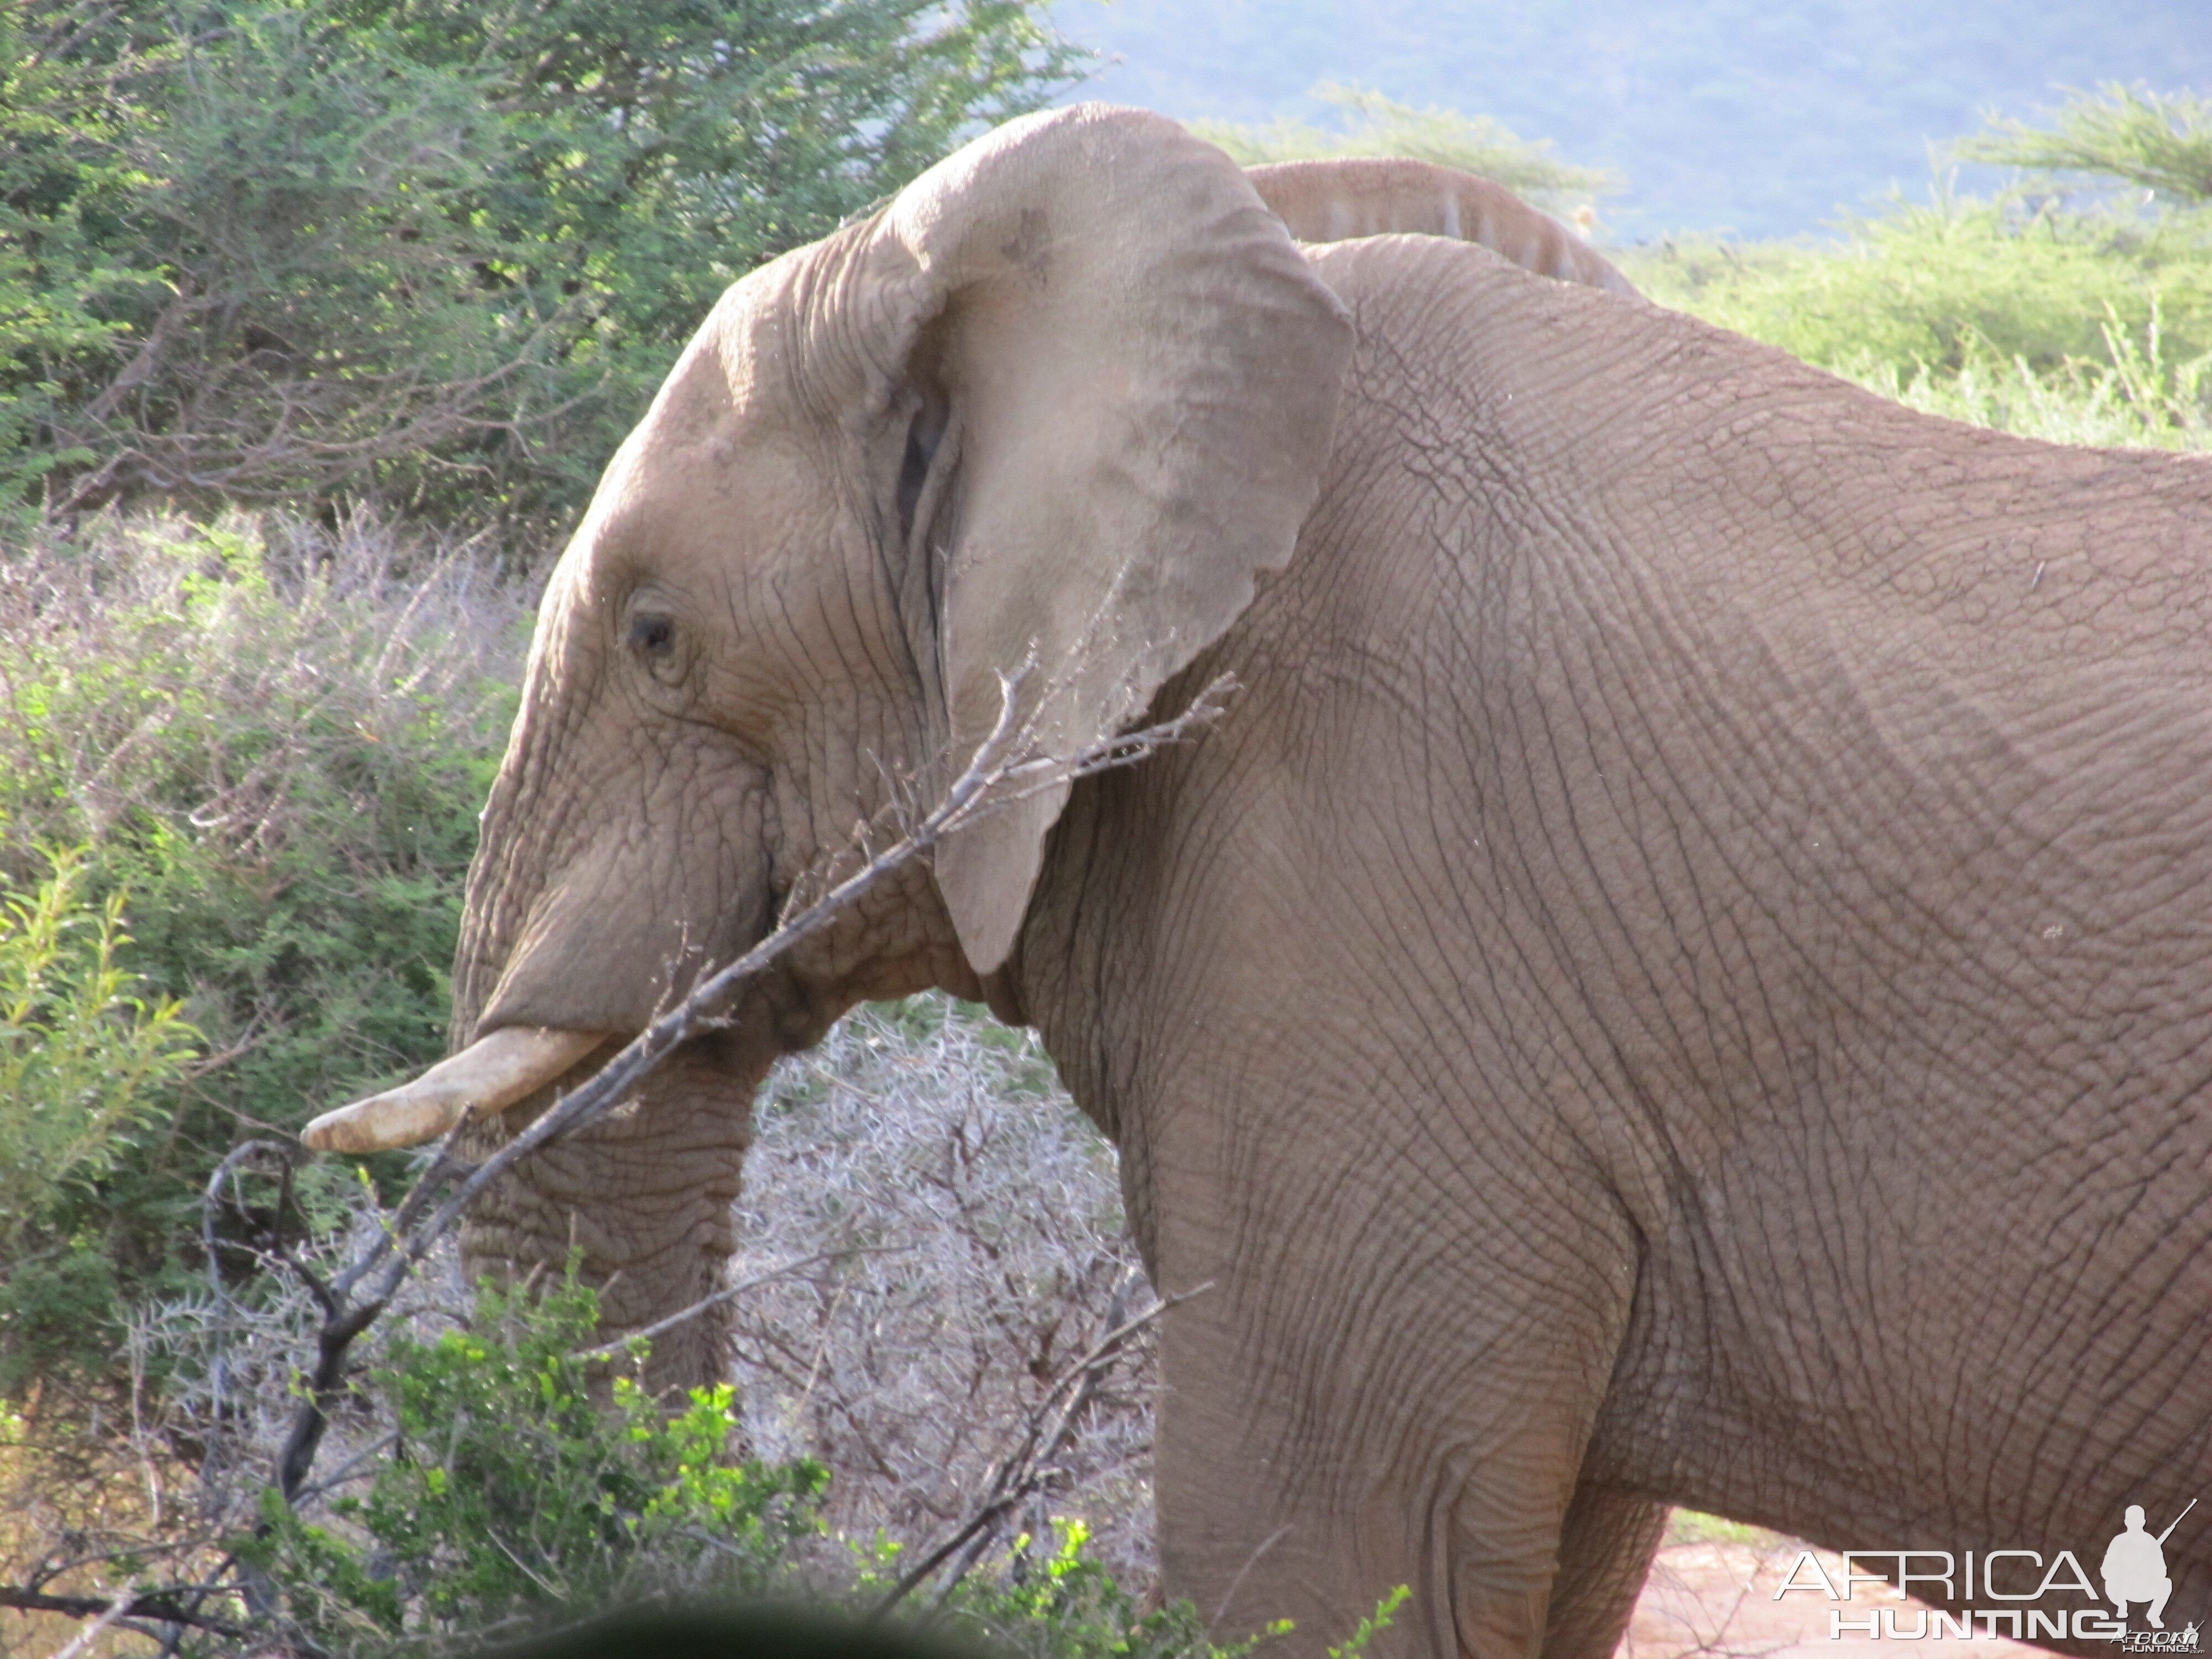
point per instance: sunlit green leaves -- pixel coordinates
(1365, 123)
(424, 252)
(510, 1490)
(85, 1059)
(2161, 141)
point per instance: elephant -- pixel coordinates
(1682, 976)
(1344, 197)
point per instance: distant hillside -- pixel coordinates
(1763, 117)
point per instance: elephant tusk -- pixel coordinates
(486, 1078)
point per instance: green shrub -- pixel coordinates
(2040, 329)
(2134, 395)
(525, 1486)
(1365, 123)
(62, 290)
(87, 1065)
(1926, 287)
(276, 743)
(510, 1494)
(2076, 317)
(83, 1062)
(433, 254)
(1060, 1603)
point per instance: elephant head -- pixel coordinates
(1060, 402)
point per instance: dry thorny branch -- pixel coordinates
(1008, 767)
(912, 1374)
(1029, 1467)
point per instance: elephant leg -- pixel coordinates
(1606, 1547)
(1462, 1488)
(1402, 1333)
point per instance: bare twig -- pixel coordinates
(162, 1608)
(226, 1172)
(1026, 1469)
(1008, 767)
(211, 1196)
(609, 1350)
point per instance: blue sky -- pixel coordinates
(1766, 116)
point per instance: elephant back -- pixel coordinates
(1338, 199)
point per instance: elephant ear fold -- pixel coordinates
(1137, 375)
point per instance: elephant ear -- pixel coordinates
(1121, 377)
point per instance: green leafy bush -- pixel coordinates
(523, 1484)
(276, 741)
(1928, 286)
(1058, 1602)
(1365, 123)
(86, 1065)
(83, 1061)
(2134, 394)
(430, 252)
(2081, 317)
(63, 288)
(511, 1492)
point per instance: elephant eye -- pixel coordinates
(653, 637)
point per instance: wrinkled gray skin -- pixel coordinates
(1685, 977)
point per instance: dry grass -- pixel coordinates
(122, 631)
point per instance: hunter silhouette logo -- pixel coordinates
(2134, 1566)
(2133, 1570)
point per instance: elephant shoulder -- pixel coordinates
(1445, 303)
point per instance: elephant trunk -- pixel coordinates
(574, 933)
(642, 1203)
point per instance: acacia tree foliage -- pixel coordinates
(427, 252)
(2079, 310)
(2161, 141)
(1365, 123)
